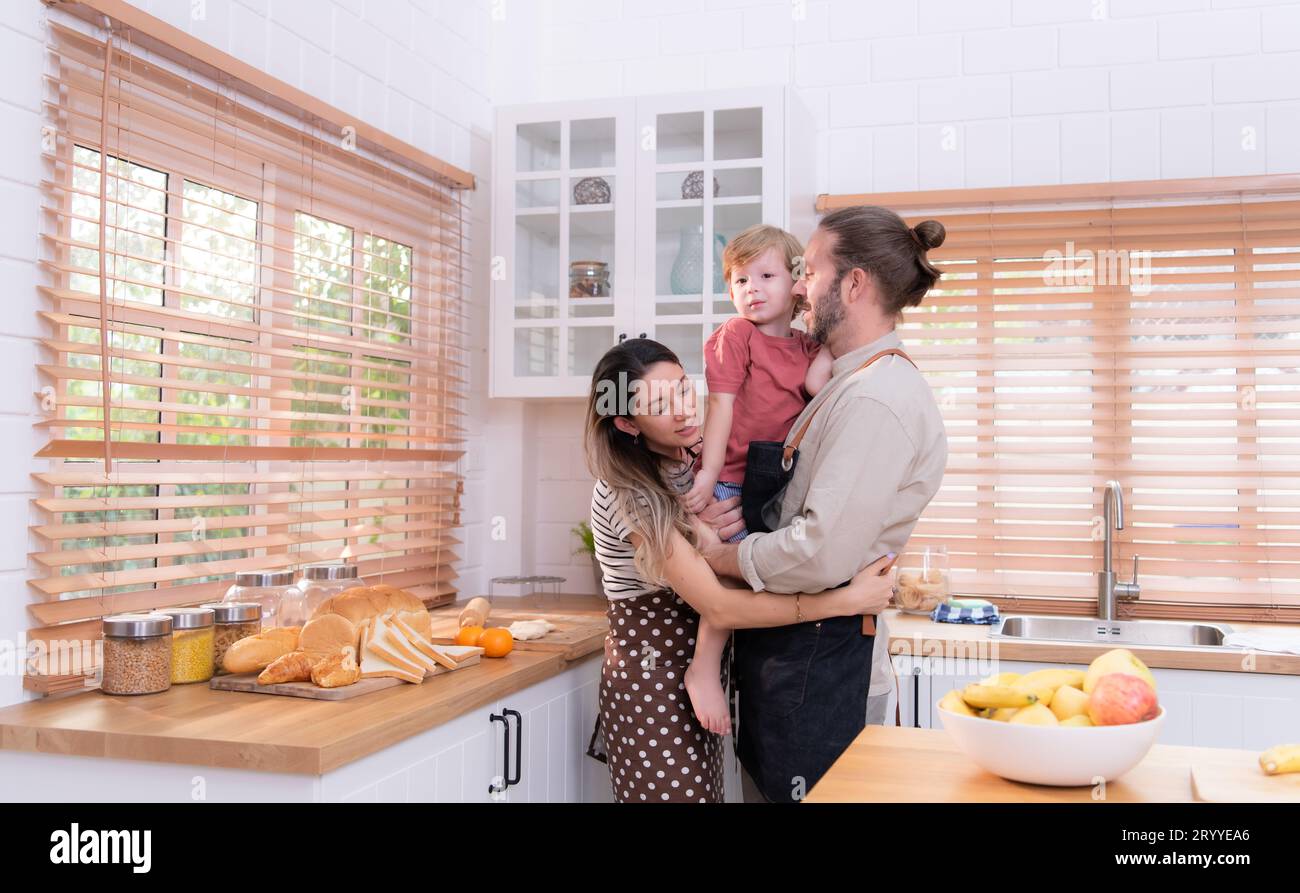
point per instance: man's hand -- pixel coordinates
(724, 516)
(724, 558)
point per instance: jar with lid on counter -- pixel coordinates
(232, 621)
(322, 581)
(273, 590)
(192, 644)
(137, 654)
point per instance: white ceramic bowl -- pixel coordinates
(1055, 755)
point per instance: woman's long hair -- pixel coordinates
(634, 472)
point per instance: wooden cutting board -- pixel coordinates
(248, 681)
(1243, 782)
(574, 635)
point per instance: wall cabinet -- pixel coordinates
(1203, 708)
(609, 219)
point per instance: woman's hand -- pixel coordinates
(871, 588)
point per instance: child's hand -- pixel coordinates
(700, 493)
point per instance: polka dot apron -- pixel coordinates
(656, 750)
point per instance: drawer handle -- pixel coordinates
(507, 780)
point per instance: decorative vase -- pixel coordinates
(687, 276)
(693, 185)
(591, 191)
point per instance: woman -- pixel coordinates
(640, 431)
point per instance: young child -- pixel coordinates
(761, 372)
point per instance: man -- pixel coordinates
(870, 462)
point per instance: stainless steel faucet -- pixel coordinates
(1109, 590)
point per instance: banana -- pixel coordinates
(1000, 679)
(1042, 692)
(978, 695)
(1053, 678)
(1280, 759)
(953, 703)
(1004, 714)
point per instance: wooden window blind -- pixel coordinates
(254, 351)
(1153, 341)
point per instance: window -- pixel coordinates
(1156, 343)
(274, 343)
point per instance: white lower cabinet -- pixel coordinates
(1203, 708)
(467, 760)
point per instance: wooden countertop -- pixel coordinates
(193, 724)
(887, 764)
(918, 635)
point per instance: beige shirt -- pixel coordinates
(870, 463)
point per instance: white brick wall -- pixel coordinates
(927, 94)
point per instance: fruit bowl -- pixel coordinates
(1052, 755)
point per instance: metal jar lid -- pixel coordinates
(235, 612)
(264, 578)
(330, 572)
(190, 618)
(137, 626)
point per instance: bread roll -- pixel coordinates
(362, 603)
(476, 612)
(292, 667)
(253, 653)
(326, 635)
(337, 670)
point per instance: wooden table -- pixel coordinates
(887, 764)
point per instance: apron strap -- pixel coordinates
(788, 452)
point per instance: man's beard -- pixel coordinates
(828, 314)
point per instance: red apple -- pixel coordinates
(1121, 698)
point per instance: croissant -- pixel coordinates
(295, 666)
(337, 670)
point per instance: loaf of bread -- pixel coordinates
(366, 602)
(337, 670)
(296, 666)
(328, 634)
(253, 653)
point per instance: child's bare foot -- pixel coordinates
(707, 698)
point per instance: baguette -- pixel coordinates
(253, 653)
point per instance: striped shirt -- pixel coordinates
(614, 549)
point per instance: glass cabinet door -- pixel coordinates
(569, 270)
(701, 179)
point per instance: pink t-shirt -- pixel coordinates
(766, 373)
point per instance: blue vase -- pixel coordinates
(688, 267)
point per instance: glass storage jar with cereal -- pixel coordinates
(192, 644)
(232, 621)
(137, 654)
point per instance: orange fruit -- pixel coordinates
(497, 642)
(469, 635)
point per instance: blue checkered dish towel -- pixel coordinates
(966, 611)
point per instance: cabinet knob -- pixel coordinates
(622, 336)
(642, 335)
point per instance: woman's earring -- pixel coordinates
(637, 440)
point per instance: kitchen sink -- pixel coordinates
(1118, 632)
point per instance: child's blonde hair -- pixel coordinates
(754, 241)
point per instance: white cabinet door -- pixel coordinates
(562, 263)
(691, 146)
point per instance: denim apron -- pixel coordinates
(802, 699)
